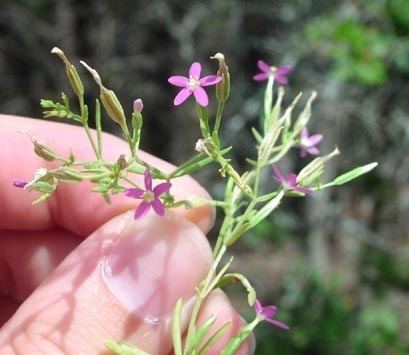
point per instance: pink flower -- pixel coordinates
(138, 106)
(149, 196)
(279, 73)
(308, 143)
(193, 85)
(289, 182)
(268, 313)
(20, 183)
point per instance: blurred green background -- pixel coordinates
(336, 264)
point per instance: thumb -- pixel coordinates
(121, 283)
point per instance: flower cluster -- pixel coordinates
(244, 205)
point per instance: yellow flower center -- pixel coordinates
(148, 196)
(193, 82)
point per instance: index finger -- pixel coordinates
(72, 206)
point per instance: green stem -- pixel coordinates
(219, 112)
(98, 126)
(202, 293)
(84, 121)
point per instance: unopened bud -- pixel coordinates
(138, 106)
(72, 74)
(223, 87)
(43, 152)
(122, 163)
(108, 98)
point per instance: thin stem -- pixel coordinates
(84, 121)
(202, 294)
(98, 125)
(219, 112)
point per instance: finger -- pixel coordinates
(121, 283)
(26, 259)
(219, 305)
(67, 207)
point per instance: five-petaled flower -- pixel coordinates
(308, 143)
(193, 85)
(267, 314)
(279, 74)
(289, 182)
(149, 196)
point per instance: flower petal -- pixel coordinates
(277, 174)
(260, 76)
(195, 70)
(269, 311)
(277, 323)
(304, 190)
(285, 69)
(148, 180)
(178, 80)
(291, 179)
(201, 96)
(161, 188)
(134, 192)
(303, 152)
(304, 133)
(182, 96)
(258, 307)
(313, 151)
(210, 80)
(142, 209)
(20, 183)
(263, 66)
(315, 139)
(281, 79)
(157, 206)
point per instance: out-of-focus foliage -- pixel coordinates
(336, 264)
(364, 41)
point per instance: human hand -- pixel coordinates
(121, 278)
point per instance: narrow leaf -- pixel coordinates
(214, 338)
(202, 331)
(352, 174)
(123, 348)
(234, 277)
(267, 209)
(177, 328)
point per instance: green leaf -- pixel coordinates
(234, 277)
(352, 174)
(304, 116)
(177, 328)
(202, 331)
(123, 348)
(214, 337)
(42, 198)
(267, 209)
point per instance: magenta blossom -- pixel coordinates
(289, 182)
(193, 85)
(268, 313)
(308, 143)
(149, 196)
(20, 183)
(279, 74)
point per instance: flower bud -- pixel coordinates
(122, 163)
(138, 106)
(43, 152)
(72, 74)
(223, 87)
(112, 106)
(109, 100)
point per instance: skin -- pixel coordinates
(53, 296)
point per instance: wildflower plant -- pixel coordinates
(244, 204)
